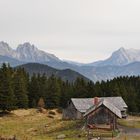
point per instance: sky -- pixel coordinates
(77, 30)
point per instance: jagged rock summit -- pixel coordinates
(120, 57)
(27, 53)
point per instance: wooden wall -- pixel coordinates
(102, 116)
(71, 112)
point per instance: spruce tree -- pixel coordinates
(20, 89)
(53, 93)
(7, 98)
(33, 94)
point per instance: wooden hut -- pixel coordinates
(77, 107)
(103, 115)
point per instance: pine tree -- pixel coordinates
(33, 94)
(7, 98)
(20, 89)
(37, 89)
(90, 90)
(53, 93)
(63, 94)
(42, 86)
(80, 88)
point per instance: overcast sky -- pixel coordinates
(79, 30)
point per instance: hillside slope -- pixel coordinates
(11, 61)
(66, 74)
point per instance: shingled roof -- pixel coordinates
(83, 104)
(108, 105)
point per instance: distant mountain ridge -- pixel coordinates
(120, 57)
(122, 62)
(27, 52)
(66, 75)
(100, 73)
(11, 61)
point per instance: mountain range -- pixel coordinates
(120, 57)
(122, 62)
(26, 53)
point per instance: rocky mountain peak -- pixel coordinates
(5, 49)
(26, 47)
(26, 52)
(120, 57)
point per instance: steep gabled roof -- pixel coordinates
(117, 101)
(108, 105)
(83, 104)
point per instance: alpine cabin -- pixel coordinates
(98, 112)
(77, 107)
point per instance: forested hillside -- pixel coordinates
(66, 74)
(18, 90)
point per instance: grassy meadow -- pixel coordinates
(132, 122)
(31, 125)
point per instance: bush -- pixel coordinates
(41, 103)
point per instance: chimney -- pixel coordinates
(96, 100)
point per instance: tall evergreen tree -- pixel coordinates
(80, 88)
(53, 92)
(33, 94)
(20, 89)
(7, 98)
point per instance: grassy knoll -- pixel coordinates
(30, 125)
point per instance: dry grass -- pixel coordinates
(128, 137)
(31, 125)
(26, 124)
(131, 121)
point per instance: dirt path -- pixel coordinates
(129, 131)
